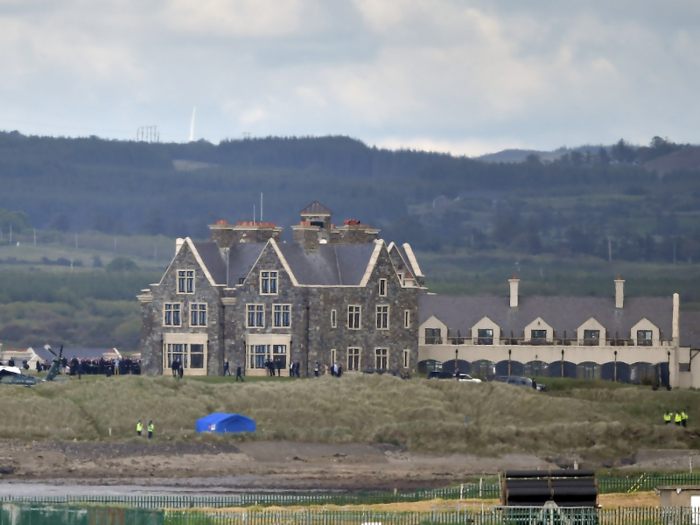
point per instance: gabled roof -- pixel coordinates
(563, 313)
(315, 208)
(241, 259)
(690, 329)
(331, 265)
(211, 256)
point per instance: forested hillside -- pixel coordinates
(601, 204)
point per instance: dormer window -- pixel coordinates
(645, 337)
(433, 336)
(485, 336)
(591, 337)
(268, 283)
(382, 287)
(538, 337)
(185, 281)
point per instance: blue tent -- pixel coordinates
(223, 423)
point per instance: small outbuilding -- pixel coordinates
(225, 423)
(679, 496)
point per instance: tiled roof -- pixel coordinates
(315, 208)
(241, 258)
(212, 259)
(563, 313)
(331, 265)
(690, 329)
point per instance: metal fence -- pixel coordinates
(43, 514)
(473, 516)
(37, 514)
(464, 491)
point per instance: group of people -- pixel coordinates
(335, 370)
(177, 368)
(11, 362)
(680, 418)
(150, 429)
(94, 366)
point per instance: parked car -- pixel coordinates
(521, 381)
(449, 375)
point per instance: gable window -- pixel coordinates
(591, 337)
(381, 358)
(282, 317)
(645, 337)
(256, 315)
(354, 317)
(382, 287)
(485, 336)
(433, 336)
(185, 281)
(172, 314)
(383, 317)
(353, 359)
(538, 337)
(198, 314)
(334, 319)
(268, 283)
(407, 318)
(400, 275)
(406, 358)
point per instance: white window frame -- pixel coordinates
(352, 352)
(351, 317)
(185, 282)
(401, 277)
(196, 311)
(278, 310)
(382, 287)
(172, 311)
(334, 356)
(271, 280)
(378, 356)
(406, 358)
(383, 316)
(407, 318)
(255, 309)
(334, 318)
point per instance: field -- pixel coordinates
(598, 421)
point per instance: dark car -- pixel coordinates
(521, 381)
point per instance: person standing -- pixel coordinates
(151, 428)
(116, 367)
(316, 369)
(174, 367)
(238, 374)
(226, 368)
(667, 417)
(139, 428)
(279, 367)
(678, 418)
(684, 418)
(180, 370)
(80, 369)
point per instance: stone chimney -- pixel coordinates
(675, 327)
(514, 291)
(178, 244)
(225, 234)
(619, 292)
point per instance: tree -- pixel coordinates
(60, 222)
(121, 264)
(623, 152)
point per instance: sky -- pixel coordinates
(466, 77)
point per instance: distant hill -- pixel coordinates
(687, 158)
(515, 156)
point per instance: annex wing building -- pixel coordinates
(615, 338)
